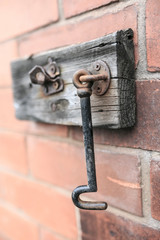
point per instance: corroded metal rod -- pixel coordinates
(84, 92)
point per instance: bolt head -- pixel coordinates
(98, 89)
(37, 75)
(55, 85)
(97, 66)
(40, 78)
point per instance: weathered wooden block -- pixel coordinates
(115, 109)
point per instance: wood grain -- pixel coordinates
(115, 109)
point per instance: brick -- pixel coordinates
(7, 114)
(3, 238)
(56, 162)
(59, 164)
(118, 178)
(9, 52)
(48, 129)
(15, 227)
(56, 36)
(146, 132)
(155, 189)
(25, 16)
(75, 7)
(13, 152)
(109, 226)
(47, 235)
(153, 35)
(44, 204)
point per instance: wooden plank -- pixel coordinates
(115, 109)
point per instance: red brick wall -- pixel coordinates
(41, 164)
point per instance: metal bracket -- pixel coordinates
(101, 69)
(98, 76)
(47, 76)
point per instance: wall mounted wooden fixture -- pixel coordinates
(47, 88)
(115, 109)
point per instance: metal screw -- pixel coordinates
(97, 66)
(55, 85)
(98, 89)
(53, 69)
(40, 77)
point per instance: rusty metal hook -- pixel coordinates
(84, 92)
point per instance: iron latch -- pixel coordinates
(48, 76)
(97, 80)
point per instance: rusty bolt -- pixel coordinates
(99, 89)
(37, 75)
(55, 85)
(40, 77)
(97, 66)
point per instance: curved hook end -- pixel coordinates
(87, 205)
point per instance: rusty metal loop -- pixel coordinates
(76, 79)
(97, 80)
